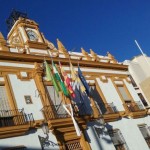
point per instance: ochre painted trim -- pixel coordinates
(6, 132)
(100, 92)
(31, 58)
(124, 86)
(10, 93)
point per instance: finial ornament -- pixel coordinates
(94, 55)
(61, 47)
(111, 57)
(85, 54)
(3, 43)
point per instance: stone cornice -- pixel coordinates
(39, 59)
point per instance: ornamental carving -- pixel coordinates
(16, 40)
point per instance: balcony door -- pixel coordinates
(53, 97)
(98, 100)
(124, 93)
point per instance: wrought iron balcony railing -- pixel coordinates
(54, 112)
(106, 108)
(14, 118)
(57, 111)
(134, 106)
(80, 109)
(111, 109)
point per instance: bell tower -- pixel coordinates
(24, 32)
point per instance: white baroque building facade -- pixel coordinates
(111, 117)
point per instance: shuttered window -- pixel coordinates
(118, 140)
(4, 104)
(124, 93)
(56, 100)
(146, 133)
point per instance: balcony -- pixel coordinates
(80, 110)
(54, 112)
(58, 112)
(135, 109)
(14, 122)
(111, 113)
(60, 121)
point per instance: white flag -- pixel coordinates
(74, 122)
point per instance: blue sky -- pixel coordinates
(103, 25)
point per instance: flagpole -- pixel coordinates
(142, 52)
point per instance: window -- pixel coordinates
(55, 99)
(56, 110)
(142, 99)
(28, 99)
(139, 104)
(146, 133)
(123, 92)
(118, 139)
(132, 81)
(4, 104)
(98, 100)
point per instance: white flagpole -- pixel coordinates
(142, 52)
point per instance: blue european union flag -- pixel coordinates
(83, 80)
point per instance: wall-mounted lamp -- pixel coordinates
(45, 128)
(44, 140)
(101, 121)
(100, 127)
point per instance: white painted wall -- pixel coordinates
(144, 63)
(110, 93)
(129, 129)
(99, 70)
(14, 64)
(21, 88)
(39, 51)
(131, 133)
(139, 68)
(137, 72)
(98, 143)
(29, 140)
